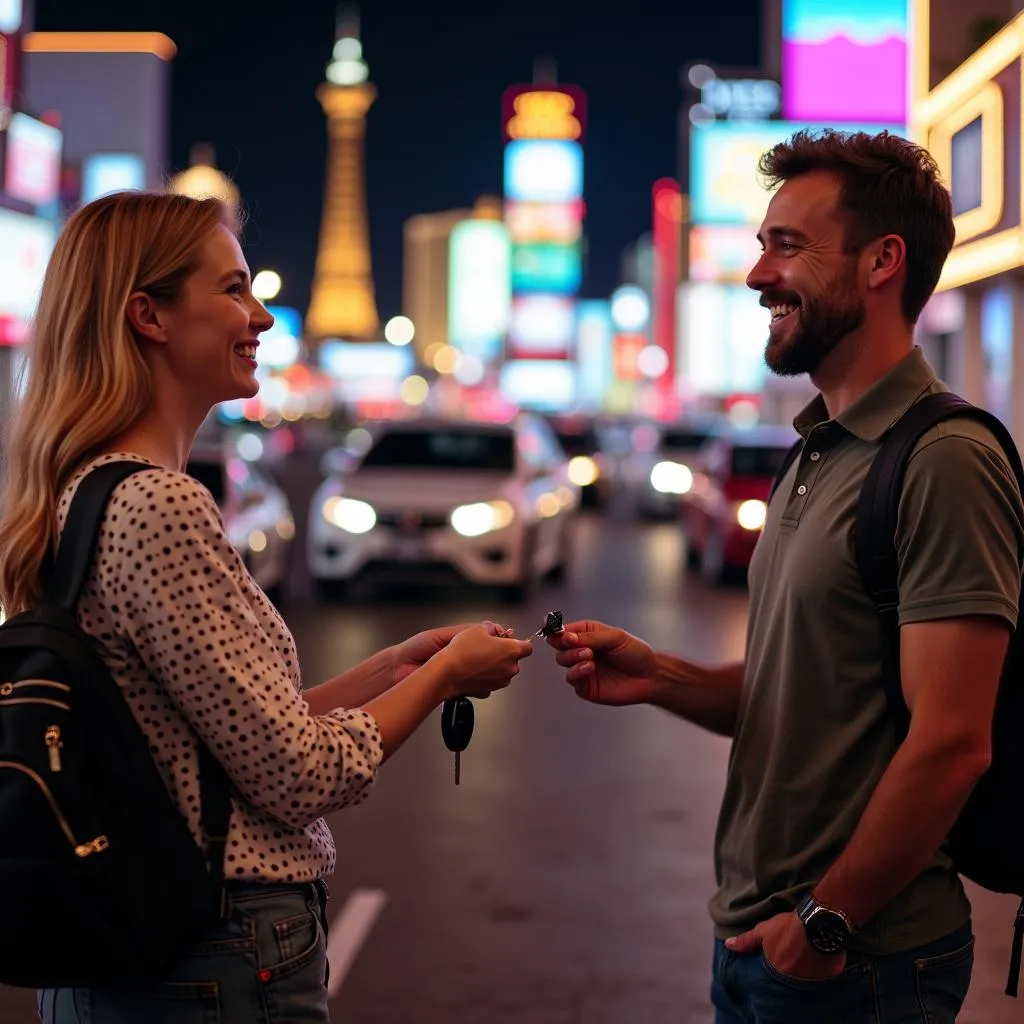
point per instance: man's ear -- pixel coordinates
(888, 259)
(146, 318)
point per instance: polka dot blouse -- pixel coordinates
(197, 648)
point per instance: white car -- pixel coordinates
(661, 466)
(493, 501)
(256, 513)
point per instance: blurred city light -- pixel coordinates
(470, 371)
(631, 309)
(447, 359)
(250, 447)
(414, 390)
(399, 330)
(266, 285)
(652, 361)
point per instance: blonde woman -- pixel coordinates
(146, 320)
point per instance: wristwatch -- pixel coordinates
(828, 930)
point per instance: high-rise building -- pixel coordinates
(343, 304)
(425, 242)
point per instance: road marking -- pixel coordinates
(349, 930)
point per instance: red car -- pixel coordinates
(724, 510)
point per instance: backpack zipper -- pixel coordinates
(6, 689)
(53, 744)
(97, 845)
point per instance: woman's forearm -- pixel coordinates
(354, 687)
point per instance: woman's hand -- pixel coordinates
(481, 659)
(415, 652)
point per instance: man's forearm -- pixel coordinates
(708, 696)
(909, 815)
(354, 688)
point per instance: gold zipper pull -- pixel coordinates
(54, 744)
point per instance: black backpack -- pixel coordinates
(101, 883)
(986, 843)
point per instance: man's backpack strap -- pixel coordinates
(62, 586)
(791, 457)
(878, 559)
(878, 512)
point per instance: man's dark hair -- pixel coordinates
(889, 187)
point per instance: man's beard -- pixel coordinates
(822, 323)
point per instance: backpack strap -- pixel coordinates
(790, 458)
(63, 583)
(878, 512)
(69, 570)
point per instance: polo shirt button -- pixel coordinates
(801, 489)
(815, 456)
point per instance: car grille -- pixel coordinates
(412, 521)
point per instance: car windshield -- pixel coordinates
(685, 439)
(442, 449)
(757, 461)
(578, 442)
(210, 475)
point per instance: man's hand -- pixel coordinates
(784, 943)
(605, 665)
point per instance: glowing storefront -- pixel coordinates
(971, 121)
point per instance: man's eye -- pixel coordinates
(235, 289)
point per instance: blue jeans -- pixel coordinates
(266, 963)
(926, 985)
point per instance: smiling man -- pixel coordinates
(836, 900)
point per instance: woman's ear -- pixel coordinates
(146, 319)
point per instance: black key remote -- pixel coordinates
(457, 718)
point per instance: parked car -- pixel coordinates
(590, 466)
(724, 510)
(492, 502)
(662, 464)
(256, 513)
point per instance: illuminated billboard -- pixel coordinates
(103, 173)
(10, 15)
(547, 385)
(32, 163)
(544, 222)
(593, 351)
(547, 268)
(542, 324)
(479, 286)
(543, 171)
(723, 252)
(845, 60)
(544, 112)
(724, 185)
(25, 246)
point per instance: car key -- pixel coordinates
(457, 728)
(552, 626)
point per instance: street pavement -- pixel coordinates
(565, 880)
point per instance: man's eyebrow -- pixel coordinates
(782, 232)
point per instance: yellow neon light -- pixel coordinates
(544, 114)
(938, 113)
(988, 105)
(155, 43)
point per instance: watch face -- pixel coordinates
(827, 932)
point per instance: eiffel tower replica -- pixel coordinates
(343, 304)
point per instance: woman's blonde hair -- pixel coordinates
(87, 379)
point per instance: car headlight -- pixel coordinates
(751, 514)
(482, 517)
(583, 470)
(349, 514)
(671, 478)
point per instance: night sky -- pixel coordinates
(244, 80)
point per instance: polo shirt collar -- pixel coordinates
(880, 406)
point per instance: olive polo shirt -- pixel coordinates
(813, 735)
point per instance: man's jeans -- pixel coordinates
(266, 964)
(926, 985)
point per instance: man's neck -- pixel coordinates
(858, 364)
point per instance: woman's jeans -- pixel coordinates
(926, 985)
(265, 964)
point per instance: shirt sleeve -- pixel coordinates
(960, 532)
(178, 592)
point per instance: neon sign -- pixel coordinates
(544, 113)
